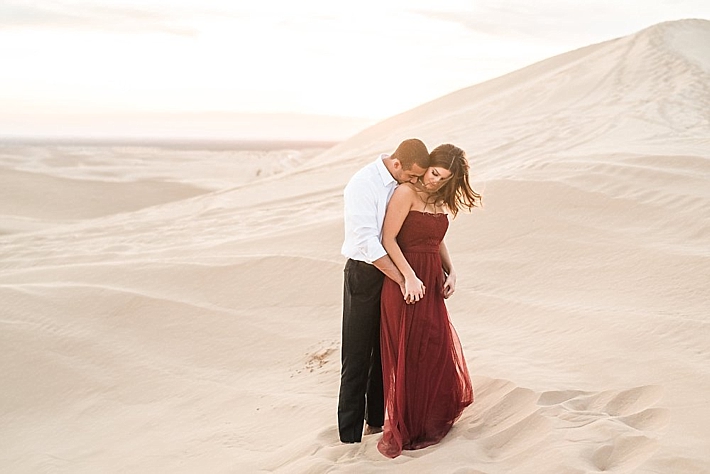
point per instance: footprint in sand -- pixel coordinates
(319, 358)
(624, 453)
(510, 423)
(618, 427)
(612, 430)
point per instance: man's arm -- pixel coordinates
(361, 220)
(386, 266)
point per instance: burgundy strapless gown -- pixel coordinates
(426, 381)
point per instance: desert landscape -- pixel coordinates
(177, 310)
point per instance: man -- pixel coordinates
(366, 197)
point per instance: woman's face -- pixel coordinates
(434, 178)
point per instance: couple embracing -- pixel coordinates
(403, 370)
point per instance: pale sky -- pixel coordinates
(99, 67)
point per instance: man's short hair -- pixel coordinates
(410, 152)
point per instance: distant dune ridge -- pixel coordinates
(188, 319)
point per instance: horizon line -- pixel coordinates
(168, 142)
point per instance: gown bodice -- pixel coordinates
(422, 232)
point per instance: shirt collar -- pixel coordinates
(387, 178)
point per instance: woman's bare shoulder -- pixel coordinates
(406, 189)
(403, 197)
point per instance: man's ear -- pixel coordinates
(396, 163)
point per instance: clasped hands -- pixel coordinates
(413, 290)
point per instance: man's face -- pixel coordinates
(409, 176)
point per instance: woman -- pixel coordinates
(426, 381)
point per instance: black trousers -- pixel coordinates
(361, 397)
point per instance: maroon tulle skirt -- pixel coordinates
(426, 380)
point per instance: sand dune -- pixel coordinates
(45, 186)
(195, 326)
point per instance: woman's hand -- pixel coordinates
(449, 284)
(414, 290)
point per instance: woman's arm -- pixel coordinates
(399, 206)
(449, 272)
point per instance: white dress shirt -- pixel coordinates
(366, 197)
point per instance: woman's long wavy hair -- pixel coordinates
(456, 193)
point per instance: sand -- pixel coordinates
(187, 318)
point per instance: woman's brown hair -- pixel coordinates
(456, 193)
